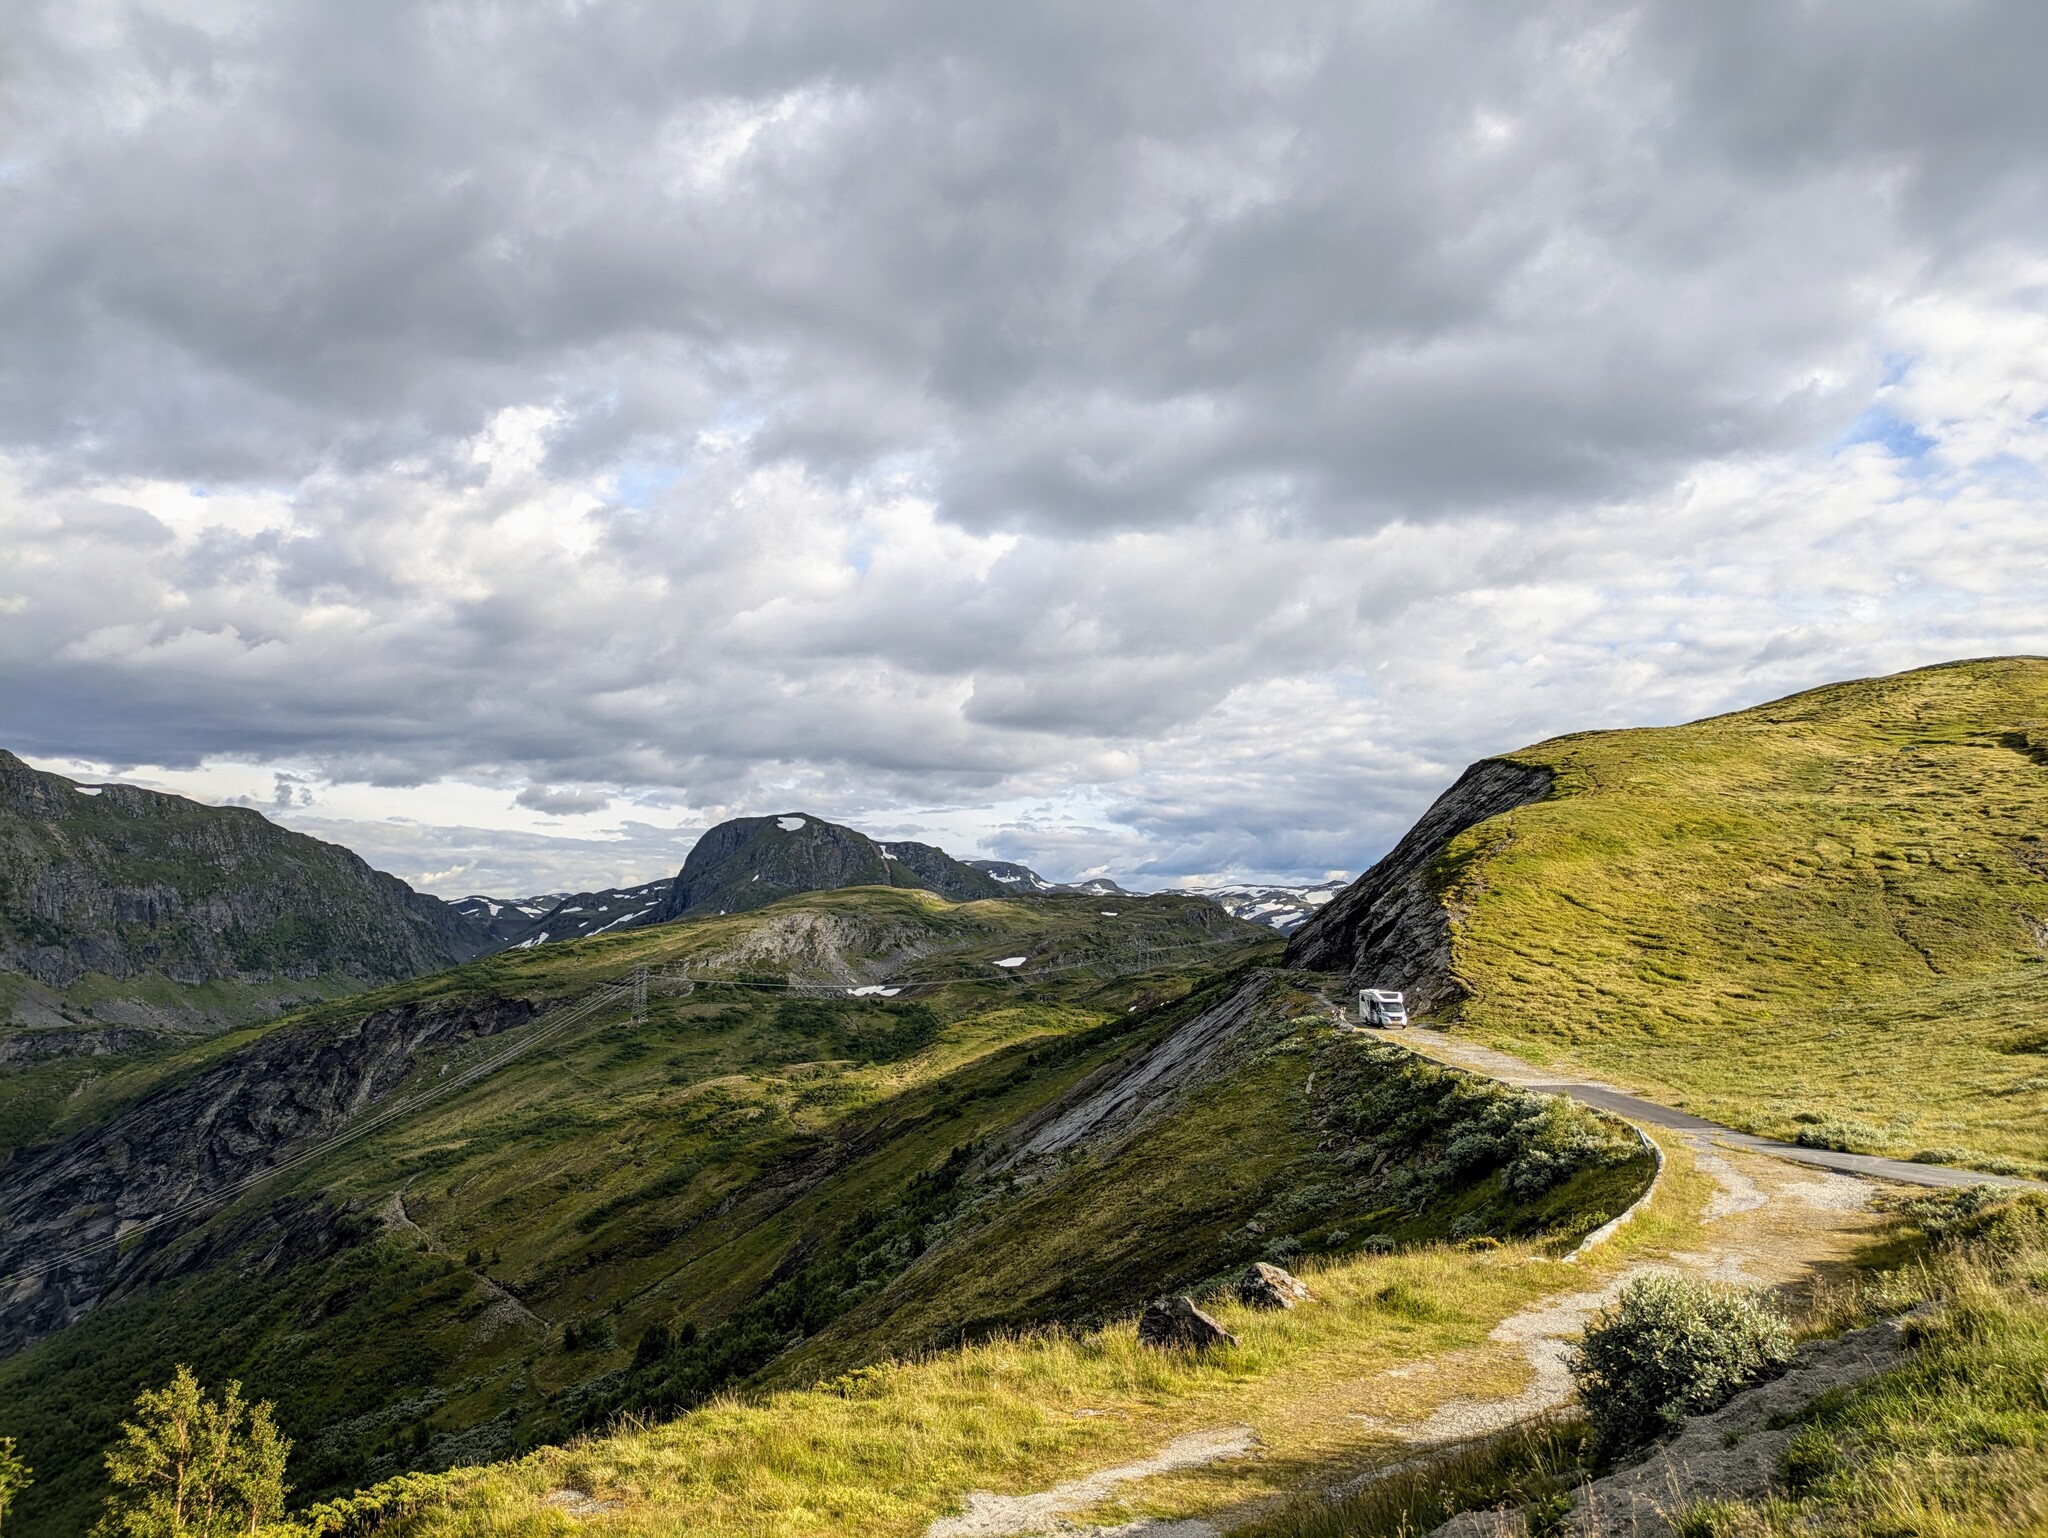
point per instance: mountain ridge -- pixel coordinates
(125, 906)
(749, 862)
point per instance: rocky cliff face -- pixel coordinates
(70, 1241)
(1389, 928)
(753, 861)
(124, 883)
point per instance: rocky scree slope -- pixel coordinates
(751, 862)
(140, 900)
(67, 1208)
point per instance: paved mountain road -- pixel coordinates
(1499, 1065)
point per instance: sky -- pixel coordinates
(1159, 440)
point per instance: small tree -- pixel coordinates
(1672, 1347)
(189, 1466)
(14, 1476)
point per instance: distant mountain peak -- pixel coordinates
(750, 862)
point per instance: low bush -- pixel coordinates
(1672, 1347)
(1837, 1134)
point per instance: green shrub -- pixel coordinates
(1672, 1347)
(14, 1475)
(1838, 1134)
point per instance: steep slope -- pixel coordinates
(129, 918)
(126, 885)
(1826, 916)
(428, 1262)
(1391, 928)
(751, 862)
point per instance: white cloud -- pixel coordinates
(1169, 441)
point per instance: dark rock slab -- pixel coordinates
(1175, 1323)
(1389, 929)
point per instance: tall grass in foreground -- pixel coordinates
(885, 1449)
(1952, 1444)
(1532, 1468)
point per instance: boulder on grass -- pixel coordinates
(1170, 1322)
(1268, 1286)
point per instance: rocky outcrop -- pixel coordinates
(1389, 928)
(1109, 1103)
(42, 1046)
(124, 883)
(1176, 1324)
(1271, 1287)
(1732, 1454)
(72, 1239)
(751, 862)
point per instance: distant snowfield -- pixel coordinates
(1285, 908)
(790, 824)
(873, 989)
(1013, 961)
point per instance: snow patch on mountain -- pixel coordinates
(1285, 908)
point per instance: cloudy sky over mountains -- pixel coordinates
(1170, 439)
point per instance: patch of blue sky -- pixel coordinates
(638, 484)
(1891, 432)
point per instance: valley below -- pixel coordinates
(822, 1188)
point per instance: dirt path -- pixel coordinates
(999, 1516)
(504, 1309)
(1769, 1221)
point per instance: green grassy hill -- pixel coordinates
(463, 1280)
(1827, 915)
(754, 1184)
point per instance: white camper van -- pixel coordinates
(1381, 1007)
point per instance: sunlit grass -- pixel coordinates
(887, 1449)
(1828, 907)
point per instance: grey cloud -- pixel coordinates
(459, 861)
(1102, 267)
(1350, 381)
(565, 802)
